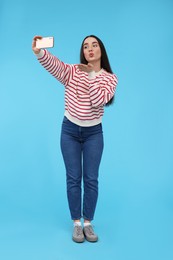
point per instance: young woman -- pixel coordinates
(89, 87)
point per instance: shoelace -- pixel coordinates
(78, 231)
(90, 230)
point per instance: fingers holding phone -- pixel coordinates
(40, 42)
(34, 41)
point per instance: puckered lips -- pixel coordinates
(91, 54)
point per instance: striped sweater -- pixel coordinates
(85, 95)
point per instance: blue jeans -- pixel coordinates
(82, 149)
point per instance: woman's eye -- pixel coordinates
(85, 47)
(95, 45)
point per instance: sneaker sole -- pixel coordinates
(78, 241)
(91, 240)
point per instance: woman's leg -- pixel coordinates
(71, 151)
(92, 153)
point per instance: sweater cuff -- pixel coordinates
(40, 54)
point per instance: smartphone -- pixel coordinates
(45, 42)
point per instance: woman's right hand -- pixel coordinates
(36, 50)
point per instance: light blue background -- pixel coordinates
(134, 217)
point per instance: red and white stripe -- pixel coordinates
(84, 97)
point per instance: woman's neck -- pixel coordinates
(96, 66)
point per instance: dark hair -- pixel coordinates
(104, 59)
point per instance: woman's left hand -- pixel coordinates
(86, 67)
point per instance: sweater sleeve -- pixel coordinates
(101, 91)
(60, 70)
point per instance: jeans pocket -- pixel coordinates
(101, 128)
(65, 119)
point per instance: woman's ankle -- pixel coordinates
(77, 222)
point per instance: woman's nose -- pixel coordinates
(90, 48)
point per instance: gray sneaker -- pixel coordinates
(78, 235)
(89, 234)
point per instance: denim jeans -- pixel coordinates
(82, 149)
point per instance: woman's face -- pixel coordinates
(91, 50)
